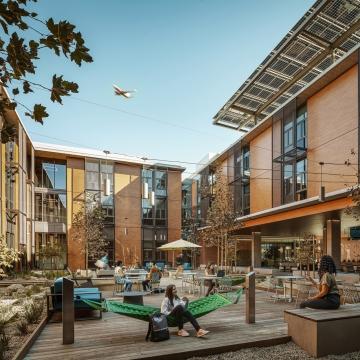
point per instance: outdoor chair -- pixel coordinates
(155, 280)
(81, 295)
(119, 283)
(191, 283)
(275, 291)
(304, 291)
(350, 294)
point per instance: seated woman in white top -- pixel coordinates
(173, 305)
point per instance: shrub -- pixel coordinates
(36, 289)
(4, 345)
(7, 315)
(22, 327)
(33, 310)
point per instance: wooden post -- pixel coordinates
(250, 298)
(68, 313)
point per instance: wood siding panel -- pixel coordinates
(260, 180)
(333, 133)
(174, 205)
(127, 189)
(75, 200)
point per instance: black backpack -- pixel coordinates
(158, 328)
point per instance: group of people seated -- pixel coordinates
(122, 278)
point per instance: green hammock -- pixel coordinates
(198, 308)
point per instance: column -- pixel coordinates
(256, 250)
(333, 240)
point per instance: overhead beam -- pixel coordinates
(242, 109)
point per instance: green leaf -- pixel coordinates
(61, 88)
(26, 87)
(38, 114)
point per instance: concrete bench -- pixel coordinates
(324, 332)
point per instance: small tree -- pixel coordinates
(220, 217)
(88, 230)
(8, 257)
(53, 252)
(307, 252)
(191, 233)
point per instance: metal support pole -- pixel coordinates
(68, 313)
(250, 298)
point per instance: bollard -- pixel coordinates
(250, 298)
(68, 313)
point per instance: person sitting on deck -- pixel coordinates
(210, 271)
(146, 283)
(176, 307)
(328, 297)
(120, 278)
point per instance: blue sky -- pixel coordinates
(185, 58)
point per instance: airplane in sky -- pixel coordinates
(125, 93)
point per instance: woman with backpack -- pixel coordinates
(174, 306)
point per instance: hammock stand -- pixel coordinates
(197, 308)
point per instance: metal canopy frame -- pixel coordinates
(294, 154)
(327, 32)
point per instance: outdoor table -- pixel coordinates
(291, 278)
(209, 277)
(189, 274)
(133, 297)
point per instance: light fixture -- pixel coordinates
(152, 200)
(107, 180)
(107, 186)
(322, 188)
(145, 190)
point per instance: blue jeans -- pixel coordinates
(128, 285)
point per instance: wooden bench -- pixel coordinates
(324, 332)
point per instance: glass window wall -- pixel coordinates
(50, 174)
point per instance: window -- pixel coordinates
(155, 215)
(237, 163)
(160, 183)
(246, 199)
(50, 174)
(50, 207)
(160, 211)
(288, 183)
(96, 174)
(288, 136)
(301, 179)
(301, 128)
(246, 161)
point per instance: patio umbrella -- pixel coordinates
(180, 244)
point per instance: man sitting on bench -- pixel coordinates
(328, 297)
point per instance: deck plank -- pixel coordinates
(123, 337)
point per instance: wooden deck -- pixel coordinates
(120, 337)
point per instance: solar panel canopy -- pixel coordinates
(327, 32)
